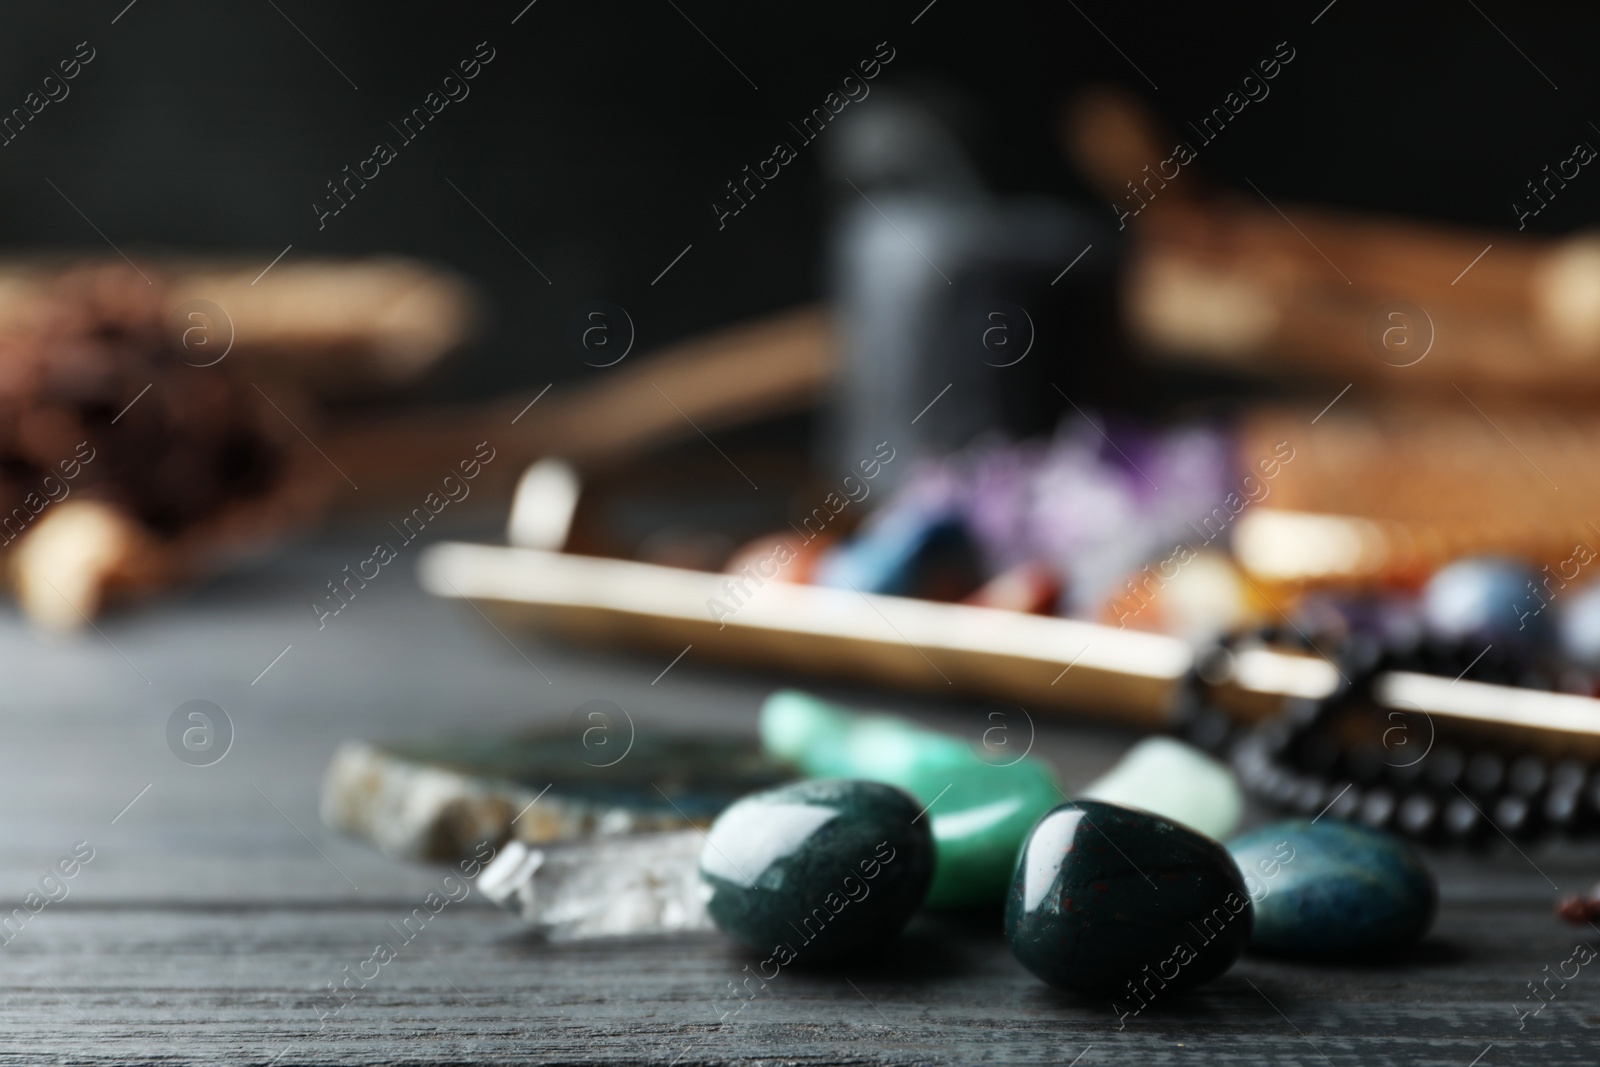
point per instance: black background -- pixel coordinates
(599, 136)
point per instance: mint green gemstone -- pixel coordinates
(1178, 781)
(980, 812)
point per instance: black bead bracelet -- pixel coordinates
(1343, 757)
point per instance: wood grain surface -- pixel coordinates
(217, 908)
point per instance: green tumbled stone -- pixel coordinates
(980, 811)
(1332, 888)
(1167, 777)
(1116, 903)
(817, 870)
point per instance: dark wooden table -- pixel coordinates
(217, 908)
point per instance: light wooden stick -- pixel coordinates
(735, 376)
(1286, 289)
(331, 327)
(1041, 662)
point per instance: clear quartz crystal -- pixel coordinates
(603, 886)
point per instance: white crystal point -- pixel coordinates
(1175, 780)
(603, 887)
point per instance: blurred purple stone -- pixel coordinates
(1095, 506)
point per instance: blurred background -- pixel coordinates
(598, 141)
(1068, 298)
(1077, 292)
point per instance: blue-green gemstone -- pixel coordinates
(1334, 888)
(1117, 903)
(817, 870)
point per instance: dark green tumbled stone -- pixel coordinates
(1334, 888)
(817, 870)
(980, 811)
(1112, 902)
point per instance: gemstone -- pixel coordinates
(817, 870)
(1334, 888)
(1205, 596)
(438, 799)
(1081, 502)
(981, 806)
(1169, 778)
(1030, 587)
(906, 552)
(1487, 600)
(1578, 620)
(621, 885)
(1112, 902)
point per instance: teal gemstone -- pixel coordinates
(1117, 903)
(981, 811)
(1332, 888)
(817, 870)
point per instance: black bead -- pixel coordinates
(1528, 776)
(1286, 789)
(1444, 768)
(1310, 798)
(1250, 763)
(1210, 730)
(1365, 764)
(1403, 649)
(1276, 737)
(1318, 753)
(1347, 800)
(1271, 781)
(1515, 815)
(1360, 653)
(1418, 815)
(1485, 773)
(1568, 776)
(1378, 808)
(1461, 820)
(1279, 784)
(1562, 808)
(1303, 711)
(1407, 773)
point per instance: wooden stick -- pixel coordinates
(1115, 140)
(1276, 318)
(1287, 288)
(331, 327)
(334, 327)
(737, 375)
(914, 644)
(702, 385)
(1041, 662)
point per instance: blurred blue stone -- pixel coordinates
(1334, 889)
(906, 552)
(1488, 599)
(1578, 624)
